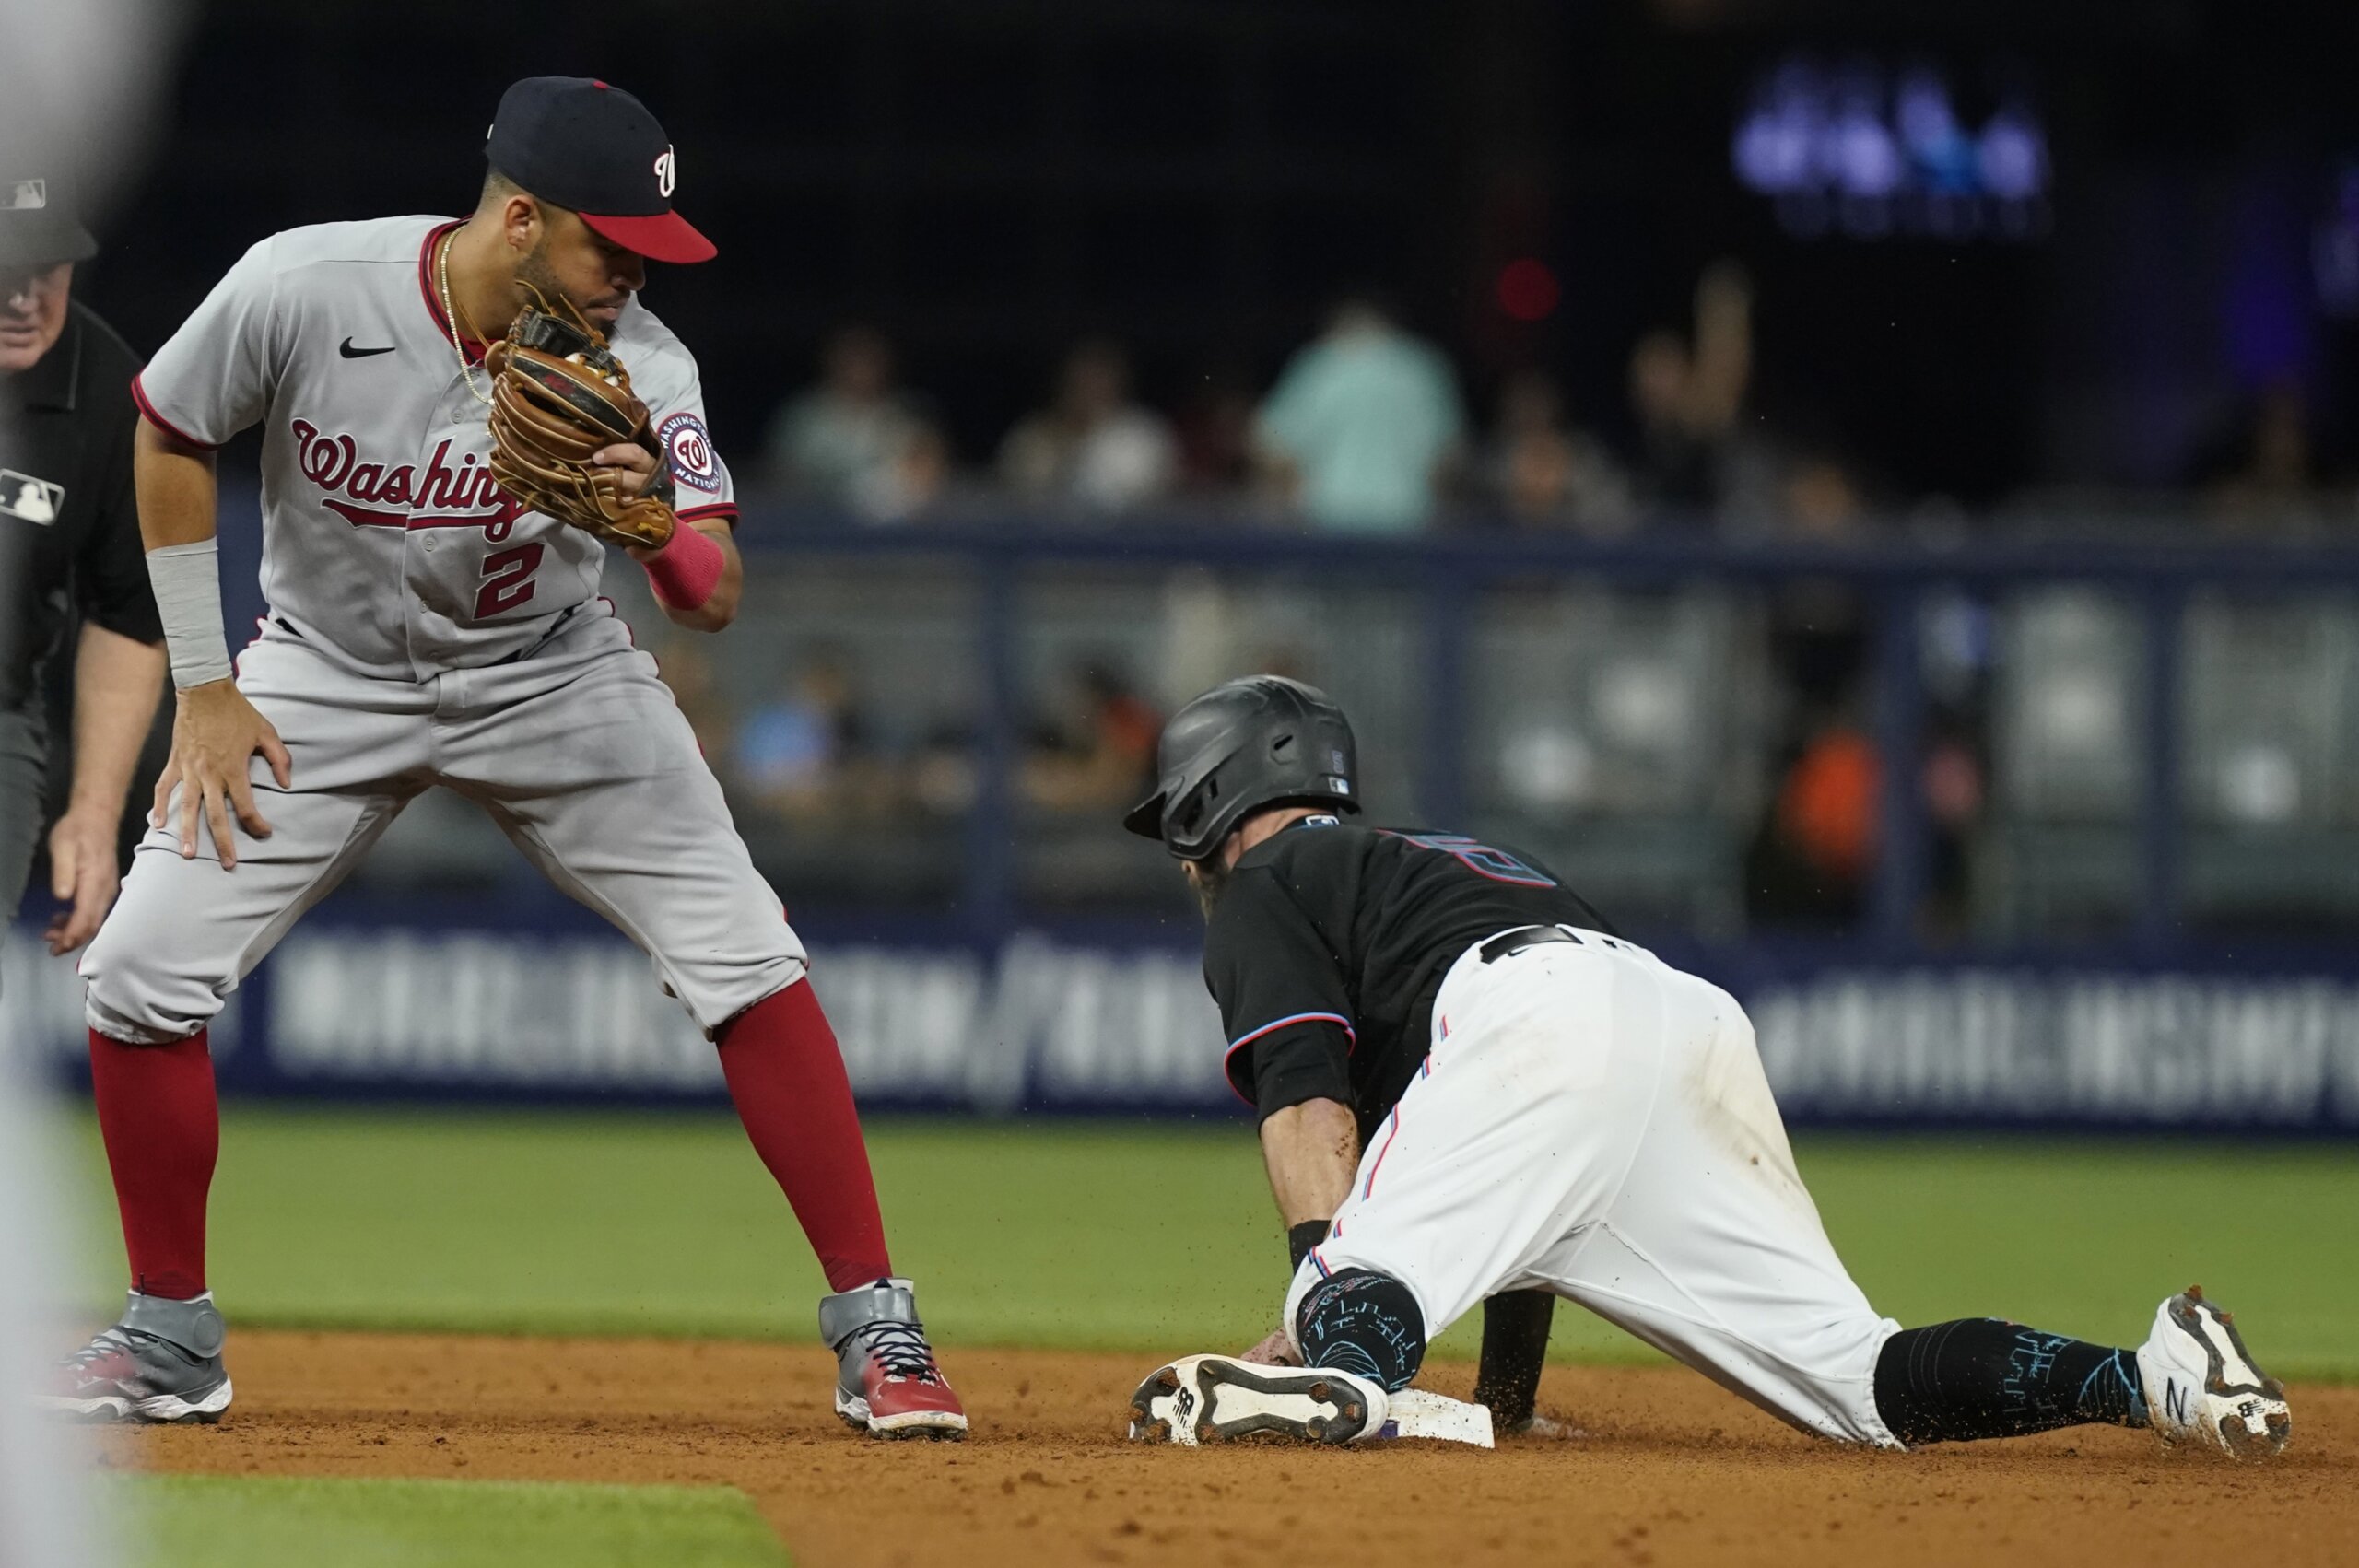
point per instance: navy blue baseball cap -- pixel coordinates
(595, 149)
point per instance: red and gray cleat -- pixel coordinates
(886, 1382)
(161, 1363)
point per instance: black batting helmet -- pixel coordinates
(1242, 745)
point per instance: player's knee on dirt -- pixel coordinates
(1363, 1322)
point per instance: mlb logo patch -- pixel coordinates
(30, 499)
(26, 195)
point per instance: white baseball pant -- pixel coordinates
(578, 753)
(1594, 1122)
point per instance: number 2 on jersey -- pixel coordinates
(508, 579)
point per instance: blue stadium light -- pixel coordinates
(1866, 151)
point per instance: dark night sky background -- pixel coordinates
(989, 180)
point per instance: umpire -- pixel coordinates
(69, 553)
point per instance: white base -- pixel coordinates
(1418, 1412)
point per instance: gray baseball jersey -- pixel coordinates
(384, 537)
(423, 632)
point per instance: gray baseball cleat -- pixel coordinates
(161, 1363)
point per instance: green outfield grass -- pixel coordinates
(1161, 1238)
(257, 1522)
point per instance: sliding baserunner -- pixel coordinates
(1471, 1088)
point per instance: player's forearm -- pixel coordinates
(117, 683)
(177, 502)
(174, 482)
(1310, 1152)
(719, 607)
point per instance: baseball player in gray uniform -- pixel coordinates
(423, 629)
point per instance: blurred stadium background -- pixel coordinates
(1866, 491)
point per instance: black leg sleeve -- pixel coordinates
(1983, 1377)
(1363, 1322)
(1514, 1341)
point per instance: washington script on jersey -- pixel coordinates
(392, 448)
(458, 495)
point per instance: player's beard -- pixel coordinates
(1210, 880)
(533, 274)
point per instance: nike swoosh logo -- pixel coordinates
(349, 352)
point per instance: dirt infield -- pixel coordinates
(1673, 1470)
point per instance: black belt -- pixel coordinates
(532, 647)
(1508, 944)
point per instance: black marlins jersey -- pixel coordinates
(1326, 948)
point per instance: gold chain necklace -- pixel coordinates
(442, 284)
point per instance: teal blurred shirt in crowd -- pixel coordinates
(1365, 415)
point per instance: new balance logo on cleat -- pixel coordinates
(2202, 1387)
(1204, 1400)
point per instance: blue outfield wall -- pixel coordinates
(527, 998)
(428, 1003)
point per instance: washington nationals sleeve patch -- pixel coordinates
(693, 460)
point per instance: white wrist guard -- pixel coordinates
(187, 579)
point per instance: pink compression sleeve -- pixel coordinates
(687, 570)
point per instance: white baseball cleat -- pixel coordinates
(1202, 1399)
(2202, 1387)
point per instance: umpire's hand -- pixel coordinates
(83, 876)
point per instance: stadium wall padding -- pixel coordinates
(1067, 1021)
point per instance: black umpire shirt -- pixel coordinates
(1327, 946)
(67, 518)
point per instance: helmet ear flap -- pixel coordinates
(1196, 806)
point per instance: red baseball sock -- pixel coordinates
(162, 1127)
(786, 1077)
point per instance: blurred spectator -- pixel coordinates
(1687, 399)
(1362, 425)
(1215, 431)
(942, 773)
(1821, 498)
(2267, 480)
(1955, 782)
(1544, 473)
(1811, 864)
(805, 754)
(1097, 752)
(912, 485)
(1093, 449)
(855, 440)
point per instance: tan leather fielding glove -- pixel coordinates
(559, 395)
